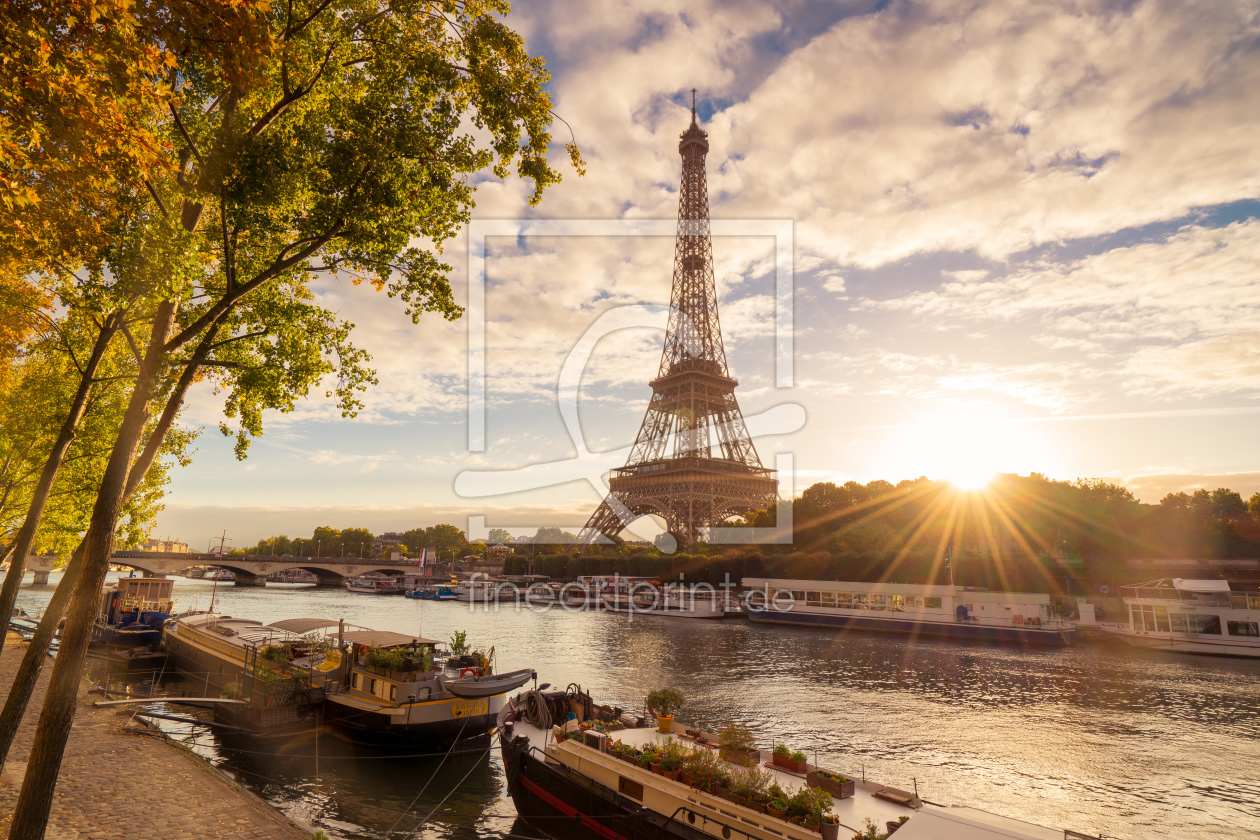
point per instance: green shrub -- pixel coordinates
(391, 659)
(736, 737)
(781, 749)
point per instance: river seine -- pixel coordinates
(1098, 739)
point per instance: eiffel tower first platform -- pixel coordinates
(693, 463)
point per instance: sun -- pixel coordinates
(967, 450)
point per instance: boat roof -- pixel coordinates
(244, 630)
(386, 638)
(962, 823)
(879, 588)
(1185, 585)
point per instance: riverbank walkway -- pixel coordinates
(116, 783)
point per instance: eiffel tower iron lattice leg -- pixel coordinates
(693, 462)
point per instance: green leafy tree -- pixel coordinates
(318, 140)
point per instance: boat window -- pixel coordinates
(1210, 624)
(829, 599)
(1178, 622)
(844, 599)
(912, 601)
(798, 594)
(1137, 618)
(354, 681)
(813, 599)
(1238, 602)
(1244, 628)
(1254, 601)
(393, 693)
(371, 685)
(931, 603)
(878, 602)
(897, 602)
(860, 602)
(630, 787)
(1161, 619)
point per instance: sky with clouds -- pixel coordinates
(1025, 237)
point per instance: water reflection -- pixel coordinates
(1103, 740)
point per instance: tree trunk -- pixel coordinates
(37, 651)
(30, 817)
(26, 535)
(36, 654)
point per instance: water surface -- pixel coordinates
(1098, 739)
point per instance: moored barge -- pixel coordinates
(573, 782)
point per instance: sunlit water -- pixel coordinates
(1099, 739)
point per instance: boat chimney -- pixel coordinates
(341, 632)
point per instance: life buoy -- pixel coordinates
(466, 670)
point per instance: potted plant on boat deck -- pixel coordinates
(700, 770)
(665, 703)
(841, 787)
(671, 767)
(794, 761)
(818, 818)
(738, 746)
(750, 788)
(798, 804)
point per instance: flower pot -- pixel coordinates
(839, 790)
(664, 723)
(830, 831)
(686, 778)
(656, 768)
(777, 813)
(814, 827)
(788, 764)
(747, 758)
(672, 775)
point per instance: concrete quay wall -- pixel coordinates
(117, 783)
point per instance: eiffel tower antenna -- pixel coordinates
(693, 463)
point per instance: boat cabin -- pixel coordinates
(136, 596)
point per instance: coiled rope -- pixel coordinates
(536, 711)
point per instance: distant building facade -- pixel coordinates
(386, 541)
(166, 546)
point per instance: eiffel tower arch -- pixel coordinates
(693, 463)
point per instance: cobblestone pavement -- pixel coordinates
(116, 783)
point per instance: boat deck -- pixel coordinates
(665, 796)
(851, 811)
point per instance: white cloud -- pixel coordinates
(1177, 316)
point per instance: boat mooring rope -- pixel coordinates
(537, 712)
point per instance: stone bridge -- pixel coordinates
(250, 570)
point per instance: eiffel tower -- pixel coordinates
(693, 463)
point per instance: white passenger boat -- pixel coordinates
(911, 609)
(386, 585)
(670, 602)
(1190, 616)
